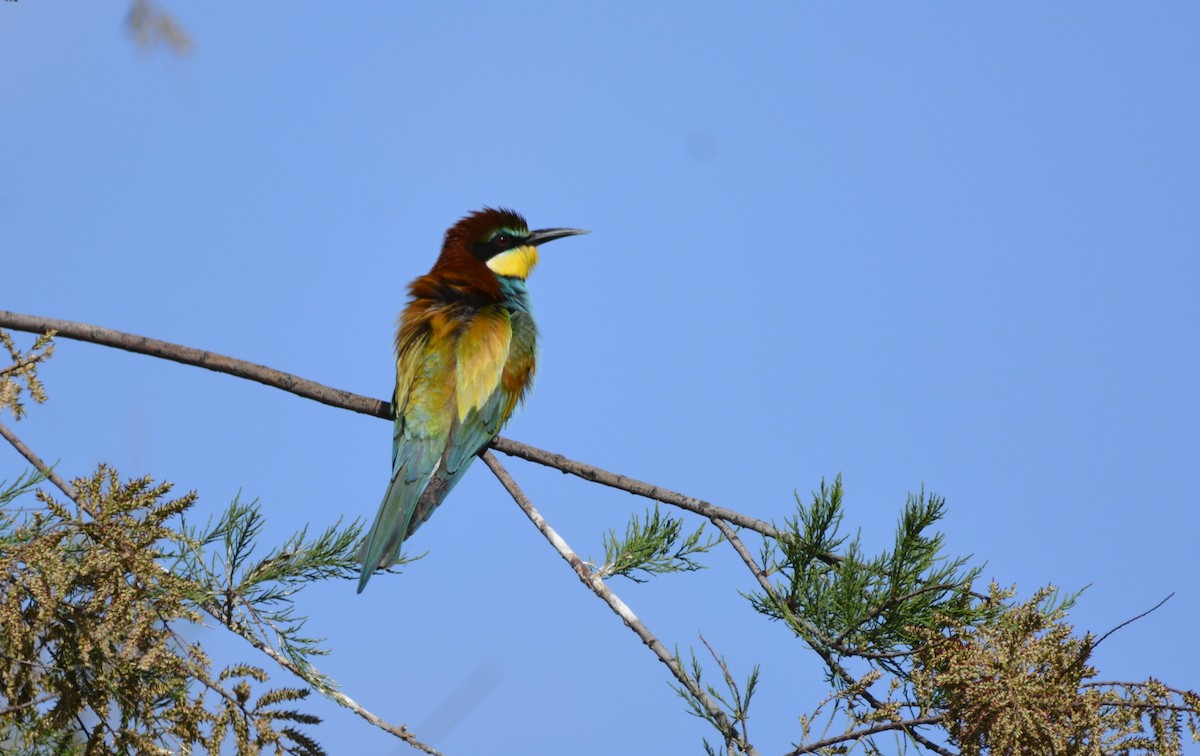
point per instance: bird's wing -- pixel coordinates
(424, 405)
(481, 404)
(411, 352)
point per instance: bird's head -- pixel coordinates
(501, 240)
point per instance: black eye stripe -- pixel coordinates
(501, 242)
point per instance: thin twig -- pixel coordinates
(891, 603)
(17, 367)
(214, 609)
(905, 724)
(34, 665)
(1181, 708)
(1130, 686)
(736, 542)
(733, 686)
(335, 695)
(593, 581)
(31, 702)
(36, 461)
(1133, 619)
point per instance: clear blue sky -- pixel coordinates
(943, 245)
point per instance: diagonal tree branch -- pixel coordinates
(619, 607)
(36, 461)
(1134, 619)
(640, 488)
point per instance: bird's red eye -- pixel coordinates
(502, 240)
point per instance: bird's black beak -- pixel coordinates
(550, 234)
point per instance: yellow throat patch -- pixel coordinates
(517, 262)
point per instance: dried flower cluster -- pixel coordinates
(90, 658)
(1021, 684)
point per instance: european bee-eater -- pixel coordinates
(465, 355)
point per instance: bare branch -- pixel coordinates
(198, 358)
(36, 461)
(593, 581)
(368, 406)
(731, 684)
(1133, 619)
(906, 724)
(736, 542)
(640, 488)
(332, 693)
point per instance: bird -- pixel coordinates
(466, 351)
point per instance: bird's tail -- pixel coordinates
(405, 507)
(382, 546)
